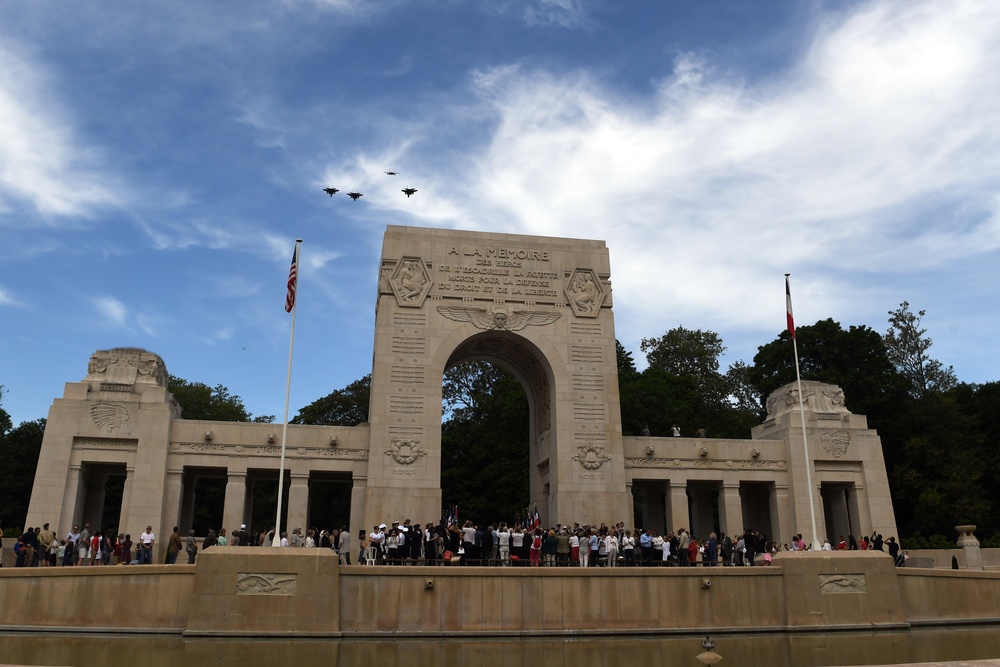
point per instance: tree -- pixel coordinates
(199, 401)
(342, 407)
(484, 442)
(688, 353)
(626, 364)
(854, 359)
(19, 449)
(907, 344)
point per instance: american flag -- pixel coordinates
(293, 279)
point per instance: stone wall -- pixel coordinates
(803, 591)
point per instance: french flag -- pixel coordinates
(788, 307)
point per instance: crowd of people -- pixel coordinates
(445, 543)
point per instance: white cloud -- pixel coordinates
(5, 298)
(876, 152)
(41, 161)
(113, 310)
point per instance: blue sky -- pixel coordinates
(157, 161)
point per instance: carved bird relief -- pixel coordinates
(498, 318)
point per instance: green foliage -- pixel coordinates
(918, 541)
(199, 401)
(907, 345)
(343, 407)
(19, 449)
(484, 444)
(626, 364)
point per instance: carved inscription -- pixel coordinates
(409, 345)
(832, 584)
(522, 274)
(251, 583)
(406, 405)
(409, 319)
(588, 382)
(105, 443)
(586, 354)
(578, 328)
(406, 375)
(589, 412)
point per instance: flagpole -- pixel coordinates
(292, 289)
(802, 416)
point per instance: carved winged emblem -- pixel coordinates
(109, 416)
(498, 318)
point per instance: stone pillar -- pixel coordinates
(172, 500)
(123, 526)
(731, 509)
(679, 514)
(358, 509)
(236, 493)
(298, 503)
(71, 508)
(781, 515)
(970, 545)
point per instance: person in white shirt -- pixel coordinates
(611, 548)
(503, 540)
(146, 542)
(284, 539)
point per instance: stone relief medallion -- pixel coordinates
(106, 415)
(836, 443)
(584, 293)
(404, 452)
(591, 457)
(830, 584)
(498, 318)
(265, 584)
(410, 282)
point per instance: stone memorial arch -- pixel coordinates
(540, 308)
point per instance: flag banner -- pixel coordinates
(788, 307)
(293, 279)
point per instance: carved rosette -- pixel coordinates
(108, 416)
(404, 451)
(591, 456)
(835, 443)
(410, 282)
(585, 293)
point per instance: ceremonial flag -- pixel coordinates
(293, 279)
(536, 520)
(788, 307)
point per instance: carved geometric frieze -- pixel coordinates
(404, 451)
(250, 583)
(830, 584)
(498, 318)
(584, 293)
(690, 464)
(835, 443)
(410, 282)
(106, 415)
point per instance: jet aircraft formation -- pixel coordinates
(357, 195)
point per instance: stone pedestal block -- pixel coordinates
(265, 592)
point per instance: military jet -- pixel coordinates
(355, 195)
(392, 173)
(409, 191)
(331, 191)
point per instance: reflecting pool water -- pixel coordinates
(799, 649)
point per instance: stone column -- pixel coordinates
(731, 509)
(679, 514)
(123, 526)
(172, 500)
(298, 503)
(236, 493)
(69, 516)
(781, 515)
(358, 510)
